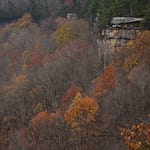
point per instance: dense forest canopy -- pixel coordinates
(104, 9)
(64, 88)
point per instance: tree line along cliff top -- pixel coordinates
(88, 9)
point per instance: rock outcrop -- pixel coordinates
(119, 33)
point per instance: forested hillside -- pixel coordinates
(57, 92)
(104, 9)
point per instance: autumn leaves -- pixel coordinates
(137, 137)
(107, 81)
(71, 30)
(78, 122)
(82, 115)
(77, 118)
(61, 97)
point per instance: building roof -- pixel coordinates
(72, 16)
(124, 20)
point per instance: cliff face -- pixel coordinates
(112, 39)
(121, 31)
(116, 37)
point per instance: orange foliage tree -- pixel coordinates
(61, 129)
(107, 81)
(72, 30)
(138, 137)
(140, 51)
(65, 34)
(70, 94)
(82, 115)
(44, 130)
(32, 59)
